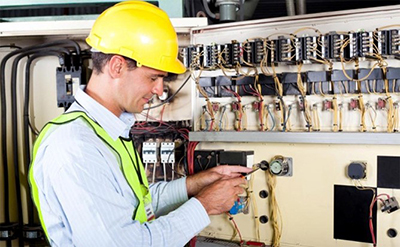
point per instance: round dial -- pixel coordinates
(276, 167)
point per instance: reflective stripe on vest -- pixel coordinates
(123, 148)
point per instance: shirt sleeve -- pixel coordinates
(85, 203)
(167, 196)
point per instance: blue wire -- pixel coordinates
(272, 118)
(287, 118)
(207, 121)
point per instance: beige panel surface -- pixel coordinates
(306, 199)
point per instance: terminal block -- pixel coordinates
(192, 56)
(226, 58)
(247, 56)
(211, 59)
(388, 42)
(306, 48)
(272, 51)
(382, 42)
(332, 46)
(258, 51)
(361, 44)
(253, 51)
(285, 54)
(394, 43)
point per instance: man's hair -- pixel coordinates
(100, 59)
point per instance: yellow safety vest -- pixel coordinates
(133, 171)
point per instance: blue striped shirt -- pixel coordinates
(85, 199)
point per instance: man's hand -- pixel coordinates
(198, 181)
(220, 196)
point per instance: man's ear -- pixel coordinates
(115, 66)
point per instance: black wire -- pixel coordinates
(10, 46)
(4, 111)
(27, 123)
(14, 120)
(4, 121)
(170, 97)
(5, 176)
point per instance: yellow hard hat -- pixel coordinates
(138, 30)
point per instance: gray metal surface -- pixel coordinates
(298, 137)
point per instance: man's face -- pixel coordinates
(137, 86)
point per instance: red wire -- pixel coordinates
(192, 242)
(252, 93)
(371, 225)
(190, 157)
(236, 227)
(233, 92)
(256, 92)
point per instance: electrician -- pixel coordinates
(87, 181)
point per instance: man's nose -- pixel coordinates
(159, 86)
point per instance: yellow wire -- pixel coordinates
(275, 213)
(306, 28)
(362, 110)
(373, 119)
(257, 87)
(303, 93)
(389, 100)
(254, 206)
(244, 118)
(340, 118)
(316, 118)
(320, 89)
(396, 118)
(266, 115)
(388, 26)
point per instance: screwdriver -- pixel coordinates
(263, 165)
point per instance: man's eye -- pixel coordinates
(154, 78)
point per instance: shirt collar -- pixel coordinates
(113, 125)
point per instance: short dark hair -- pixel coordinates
(100, 59)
